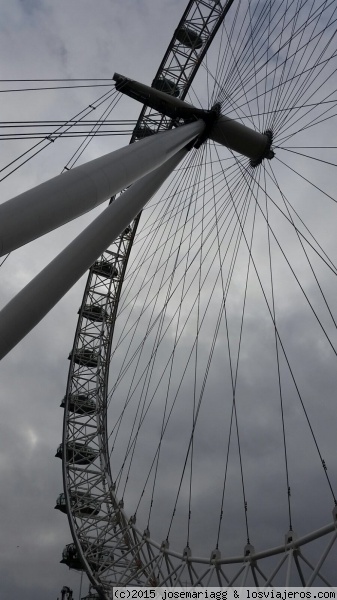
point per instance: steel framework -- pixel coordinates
(107, 542)
(104, 535)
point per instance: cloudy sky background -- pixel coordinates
(44, 39)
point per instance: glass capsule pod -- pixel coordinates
(94, 312)
(142, 131)
(188, 37)
(106, 269)
(85, 357)
(166, 85)
(77, 452)
(80, 404)
(82, 503)
(71, 558)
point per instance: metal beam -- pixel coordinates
(67, 196)
(30, 305)
(221, 129)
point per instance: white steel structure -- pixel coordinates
(215, 242)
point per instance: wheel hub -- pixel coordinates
(218, 127)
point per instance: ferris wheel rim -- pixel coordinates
(137, 532)
(219, 11)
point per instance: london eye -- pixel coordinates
(198, 443)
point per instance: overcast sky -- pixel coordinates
(82, 38)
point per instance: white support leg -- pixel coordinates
(67, 196)
(30, 305)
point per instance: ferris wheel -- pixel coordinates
(199, 421)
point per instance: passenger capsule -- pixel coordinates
(80, 404)
(71, 558)
(85, 357)
(61, 503)
(166, 85)
(82, 504)
(189, 38)
(85, 505)
(94, 312)
(106, 269)
(142, 131)
(78, 453)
